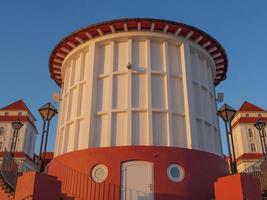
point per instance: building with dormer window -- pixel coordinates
(27, 134)
(246, 137)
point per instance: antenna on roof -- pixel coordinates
(220, 97)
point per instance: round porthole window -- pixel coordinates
(99, 173)
(175, 173)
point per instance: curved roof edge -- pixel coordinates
(210, 44)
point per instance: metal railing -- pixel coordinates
(259, 170)
(80, 185)
(11, 169)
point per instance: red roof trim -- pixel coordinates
(70, 42)
(11, 118)
(17, 105)
(247, 120)
(250, 156)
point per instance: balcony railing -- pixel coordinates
(259, 170)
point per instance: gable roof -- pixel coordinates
(247, 106)
(17, 105)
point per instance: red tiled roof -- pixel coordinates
(199, 37)
(247, 106)
(17, 105)
(250, 156)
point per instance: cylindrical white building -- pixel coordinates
(137, 116)
(167, 98)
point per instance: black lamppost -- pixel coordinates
(260, 125)
(47, 112)
(227, 113)
(16, 125)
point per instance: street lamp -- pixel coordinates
(16, 125)
(260, 125)
(227, 113)
(47, 112)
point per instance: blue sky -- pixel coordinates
(30, 29)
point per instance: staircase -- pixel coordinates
(259, 171)
(6, 192)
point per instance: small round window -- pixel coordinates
(175, 173)
(99, 173)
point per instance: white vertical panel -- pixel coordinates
(179, 131)
(80, 101)
(76, 134)
(139, 54)
(139, 128)
(176, 94)
(197, 100)
(200, 137)
(104, 59)
(121, 56)
(82, 67)
(139, 91)
(119, 128)
(89, 97)
(82, 126)
(156, 53)
(78, 69)
(158, 91)
(74, 103)
(101, 133)
(208, 137)
(67, 77)
(71, 137)
(73, 71)
(174, 60)
(129, 95)
(109, 91)
(149, 95)
(69, 105)
(120, 96)
(159, 129)
(66, 139)
(188, 94)
(102, 94)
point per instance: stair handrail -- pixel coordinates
(257, 171)
(79, 184)
(11, 169)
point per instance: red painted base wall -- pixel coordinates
(238, 187)
(201, 171)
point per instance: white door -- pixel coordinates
(137, 181)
